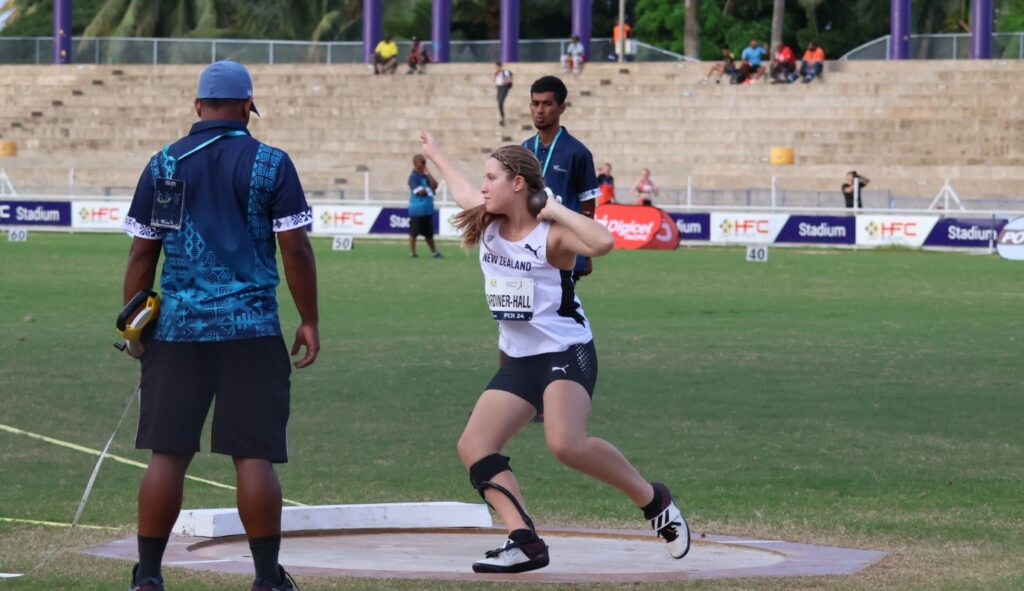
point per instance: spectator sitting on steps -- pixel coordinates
(418, 58)
(726, 67)
(814, 62)
(573, 57)
(385, 57)
(753, 55)
(783, 65)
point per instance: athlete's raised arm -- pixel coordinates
(574, 233)
(463, 191)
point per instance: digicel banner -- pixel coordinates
(638, 227)
(667, 236)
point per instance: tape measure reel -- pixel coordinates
(136, 321)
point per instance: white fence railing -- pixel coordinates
(157, 51)
(941, 46)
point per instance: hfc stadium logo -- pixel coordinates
(727, 226)
(873, 229)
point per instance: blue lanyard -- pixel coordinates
(551, 150)
(170, 163)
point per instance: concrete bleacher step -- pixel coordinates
(910, 123)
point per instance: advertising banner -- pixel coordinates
(894, 230)
(35, 213)
(965, 232)
(344, 219)
(444, 222)
(818, 229)
(667, 236)
(395, 220)
(99, 215)
(693, 226)
(1010, 243)
(746, 228)
(632, 226)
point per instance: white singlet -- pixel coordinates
(534, 302)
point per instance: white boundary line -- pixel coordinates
(55, 523)
(123, 460)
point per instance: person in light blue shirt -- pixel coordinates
(753, 55)
(421, 206)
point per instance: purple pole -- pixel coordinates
(62, 31)
(899, 30)
(442, 29)
(581, 14)
(509, 31)
(981, 29)
(372, 29)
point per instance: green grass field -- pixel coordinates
(863, 399)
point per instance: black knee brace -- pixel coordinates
(480, 475)
(486, 469)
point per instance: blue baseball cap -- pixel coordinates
(226, 80)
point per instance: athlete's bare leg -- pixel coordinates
(496, 418)
(566, 410)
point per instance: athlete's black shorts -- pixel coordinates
(250, 379)
(528, 377)
(421, 225)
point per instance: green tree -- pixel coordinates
(839, 25)
(34, 18)
(266, 19)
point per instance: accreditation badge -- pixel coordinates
(509, 298)
(168, 204)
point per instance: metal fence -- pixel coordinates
(156, 51)
(369, 190)
(814, 200)
(941, 46)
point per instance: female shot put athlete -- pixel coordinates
(527, 260)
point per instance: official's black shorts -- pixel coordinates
(421, 225)
(250, 380)
(528, 377)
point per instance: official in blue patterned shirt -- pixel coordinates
(214, 202)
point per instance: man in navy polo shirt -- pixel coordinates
(567, 165)
(214, 201)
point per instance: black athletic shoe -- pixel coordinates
(150, 584)
(670, 525)
(514, 558)
(287, 583)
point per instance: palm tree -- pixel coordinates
(691, 37)
(778, 12)
(266, 19)
(810, 7)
